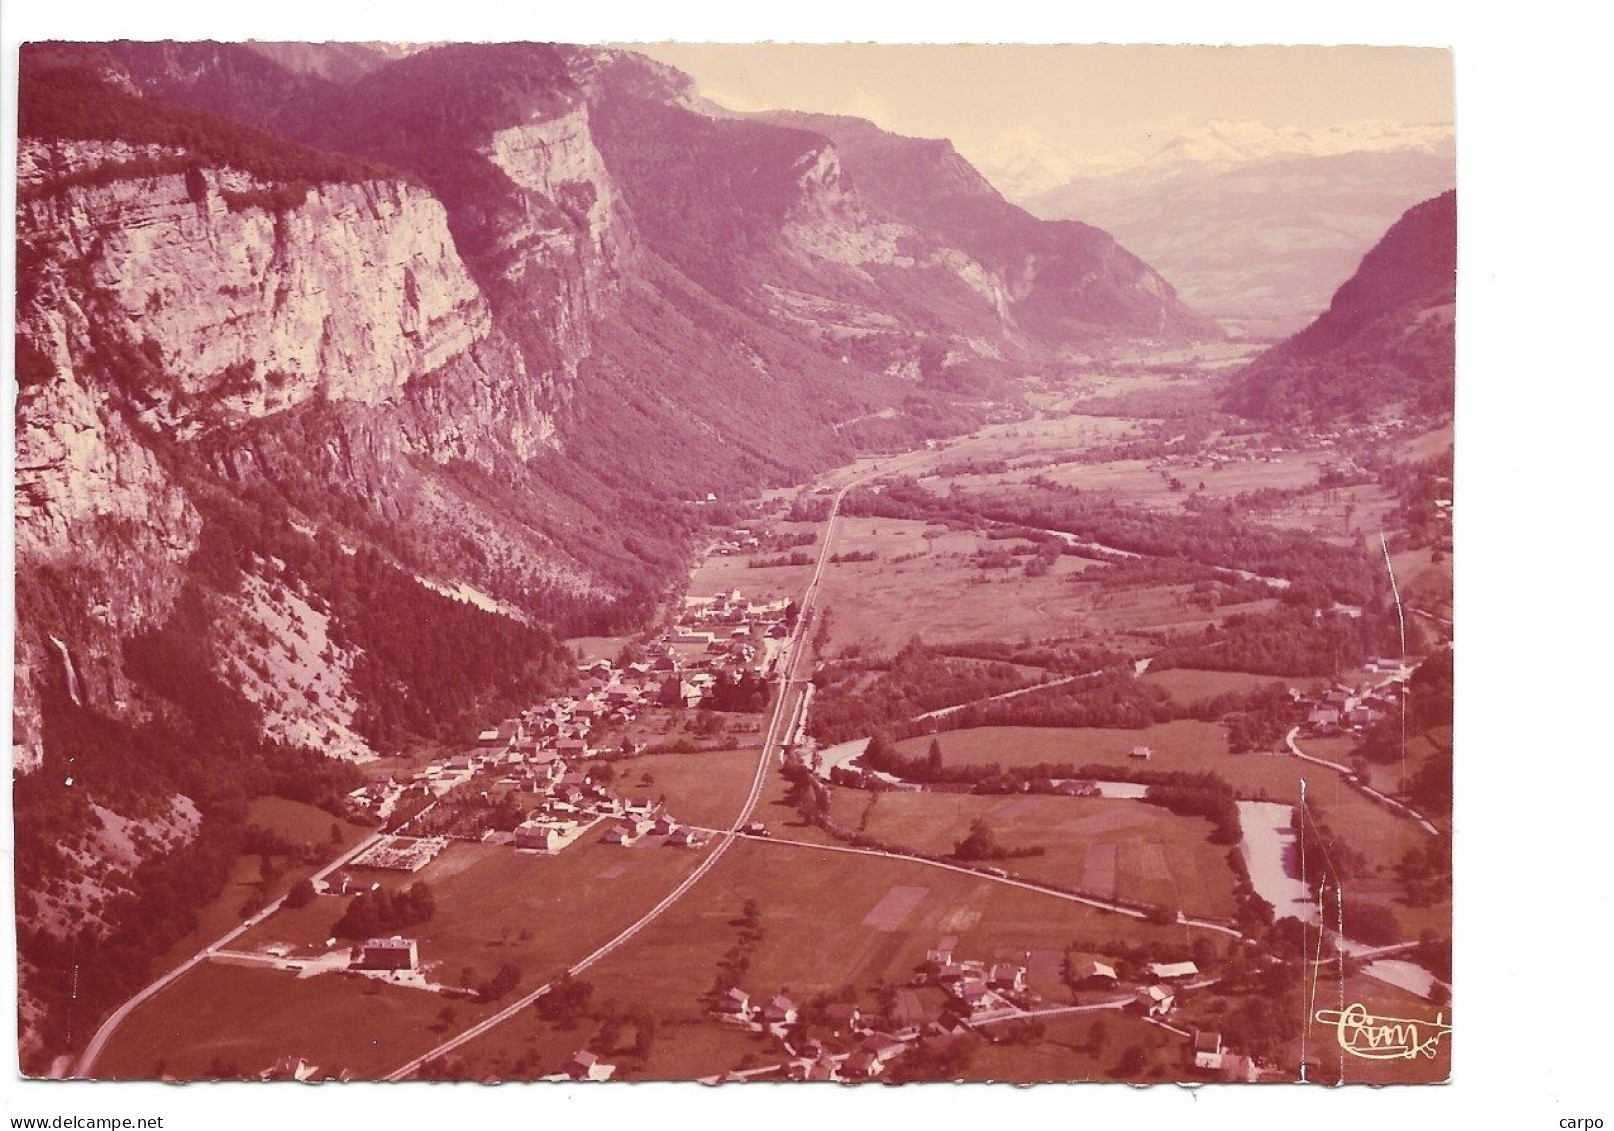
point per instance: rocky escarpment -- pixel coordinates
(1063, 283)
(250, 298)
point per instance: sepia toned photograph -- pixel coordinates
(734, 563)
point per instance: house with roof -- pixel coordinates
(734, 1002)
(584, 1065)
(1323, 720)
(1006, 977)
(393, 953)
(623, 834)
(780, 1010)
(1155, 1001)
(1094, 973)
(543, 836)
(1208, 1050)
(685, 838)
(973, 994)
(883, 1046)
(1142, 752)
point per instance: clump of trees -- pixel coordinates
(982, 844)
(743, 692)
(919, 678)
(503, 981)
(567, 1001)
(1204, 795)
(374, 913)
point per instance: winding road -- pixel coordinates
(1358, 784)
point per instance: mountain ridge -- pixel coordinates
(1387, 337)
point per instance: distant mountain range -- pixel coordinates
(1386, 341)
(1255, 224)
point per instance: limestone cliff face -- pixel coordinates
(252, 308)
(562, 250)
(330, 333)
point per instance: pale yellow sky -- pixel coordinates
(1096, 98)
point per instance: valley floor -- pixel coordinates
(1009, 890)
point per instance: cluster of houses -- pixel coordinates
(733, 626)
(975, 988)
(866, 1051)
(716, 637)
(1342, 708)
(740, 541)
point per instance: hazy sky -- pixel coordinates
(1098, 99)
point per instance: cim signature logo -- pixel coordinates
(1362, 1034)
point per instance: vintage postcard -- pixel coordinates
(734, 563)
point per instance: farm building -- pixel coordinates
(1155, 1001)
(1094, 972)
(734, 1002)
(1140, 752)
(780, 1011)
(395, 953)
(1008, 976)
(1169, 970)
(1208, 1050)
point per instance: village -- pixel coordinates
(540, 781)
(838, 1041)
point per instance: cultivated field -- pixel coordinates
(1189, 685)
(719, 574)
(1111, 848)
(296, 822)
(699, 789)
(1183, 745)
(242, 1019)
(495, 905)
(830, 921)
(925, 583)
